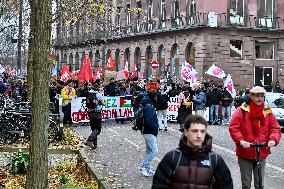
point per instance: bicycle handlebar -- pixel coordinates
(258, 144)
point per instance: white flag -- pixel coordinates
(228, 84)
(188, 73)
(2, 69)
(216, 72)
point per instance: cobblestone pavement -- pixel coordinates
(120, 150)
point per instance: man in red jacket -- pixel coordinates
(253, 122)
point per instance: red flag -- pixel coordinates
(125, 70)
(65, 74)
(99, 72)
(134, 71)
(85, 73)
(110, 63)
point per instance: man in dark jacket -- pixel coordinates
(162, 109)
(227, 100)
(149, 132)
(194, 154)
(213, 98)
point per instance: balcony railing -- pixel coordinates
(200, 19)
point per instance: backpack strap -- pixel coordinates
(173, 160)
(213, 166)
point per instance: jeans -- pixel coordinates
(151, 151)
(162, 118)
(226, 114)
(248, 166)
(212, 108)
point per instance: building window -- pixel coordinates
(191, 12)
(162, 13)
(236, 48)
(117, 19)
(176, 17)
(265, 13)
(138, 17)
(128, 19)
(150, 15)
(264, 50)
(237, 12)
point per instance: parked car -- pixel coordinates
(276, 102)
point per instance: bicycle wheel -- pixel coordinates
(52, 132)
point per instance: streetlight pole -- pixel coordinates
(20, 35)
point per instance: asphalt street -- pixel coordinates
(120, 151)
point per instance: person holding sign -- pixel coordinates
(185, 101)
(67, 93)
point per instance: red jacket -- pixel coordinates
(241, 129)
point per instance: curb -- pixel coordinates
(50, 150)
(92, 170)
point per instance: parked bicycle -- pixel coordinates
(15, 121)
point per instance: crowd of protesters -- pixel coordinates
(13, 87)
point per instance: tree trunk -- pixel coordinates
(37, 177)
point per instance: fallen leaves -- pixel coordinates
(75, 175)
(71, 140)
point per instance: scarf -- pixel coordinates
(256, 116)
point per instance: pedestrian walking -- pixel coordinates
(193, 164)
(162, 109)
(94, 103)
(149, 132)
(253, 122)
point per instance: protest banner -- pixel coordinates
(115, 107)
(173, 107)
(119, 107)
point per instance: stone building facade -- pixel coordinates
(243, 37)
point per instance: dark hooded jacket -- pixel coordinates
(193, 170)
(150, 117)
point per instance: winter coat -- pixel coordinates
(67, 95)
(150, 117)
(200, 101)
(111, 90)
(241, 129)
(193, 170)
(162, 101)
(226, 99)
(213, 97)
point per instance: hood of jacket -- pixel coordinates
(146, 100)
(194, 153)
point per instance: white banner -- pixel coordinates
(173, 107)
(120, 107)
(115, 107)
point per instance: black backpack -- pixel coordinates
(162, 101)
(92, 101)
(139, 121)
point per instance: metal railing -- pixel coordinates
(200, 19)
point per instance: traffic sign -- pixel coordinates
(154, 64)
